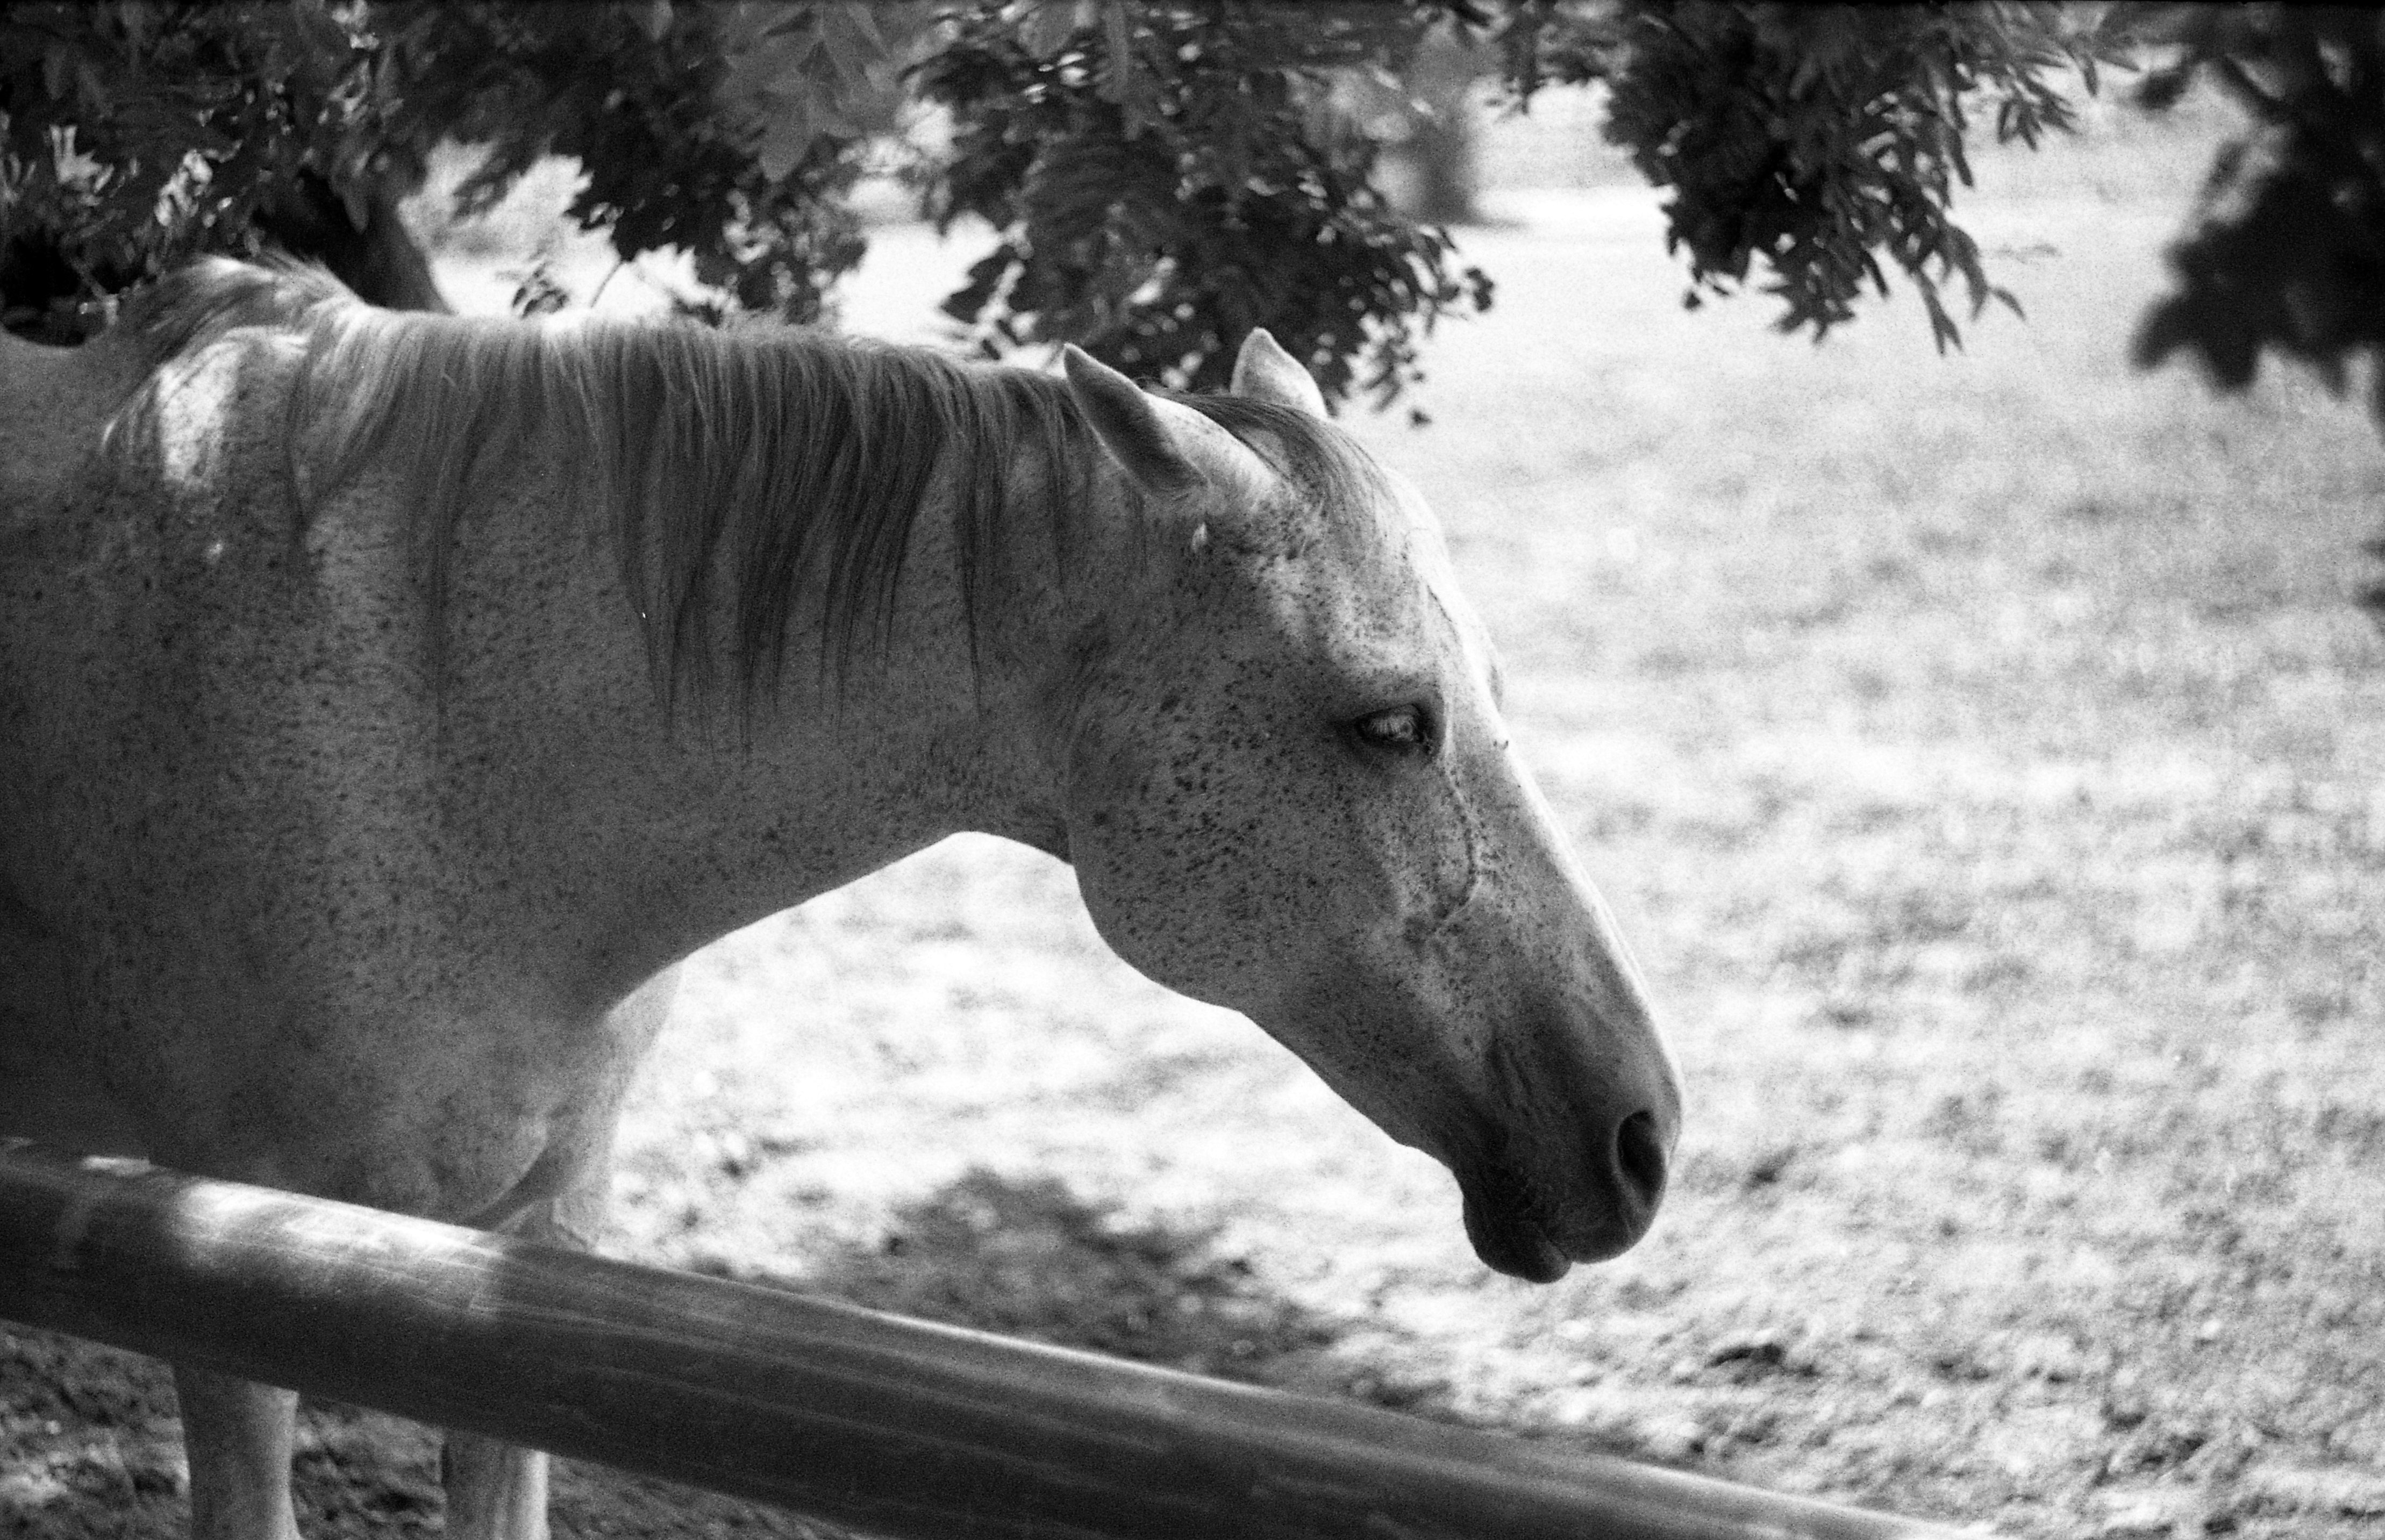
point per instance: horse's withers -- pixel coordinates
(1291, 791)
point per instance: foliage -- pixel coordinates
(1810, 139)
(1167, 179)
(2287, 250)
(140, 134)
(721, 130)
(1164, 176)
(135, 135)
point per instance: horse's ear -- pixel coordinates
(1128, 423)
(1263, 371)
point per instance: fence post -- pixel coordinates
(902, 1428)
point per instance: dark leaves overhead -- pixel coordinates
(1160, 178)
(678, 114)
(139, 135)
(2286, 249)
(1810, 141)
(1164, 179)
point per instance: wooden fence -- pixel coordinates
(893, 1426)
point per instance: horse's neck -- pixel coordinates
(673, 832)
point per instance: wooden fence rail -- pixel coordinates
(894, 1426)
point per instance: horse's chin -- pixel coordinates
(1510, 1240)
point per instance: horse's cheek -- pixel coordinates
(1157, 858)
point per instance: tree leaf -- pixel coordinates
(786, 140)
(850, 35)
(1045, 26)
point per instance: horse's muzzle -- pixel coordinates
(1520, 1226)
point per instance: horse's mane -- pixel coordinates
(196, 303)
(780, 458)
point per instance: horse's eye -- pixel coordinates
(1401, 729)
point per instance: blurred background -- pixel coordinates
(1979, 746)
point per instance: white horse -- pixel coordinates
(387, 703)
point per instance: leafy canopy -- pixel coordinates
(1813, 141)
(2286, 250)
(135, 136)
(1164, 176)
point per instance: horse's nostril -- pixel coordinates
(1640, 1155)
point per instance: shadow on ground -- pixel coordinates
(1031, 1258)
(90, 1448)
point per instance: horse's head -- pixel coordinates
(1290, 792)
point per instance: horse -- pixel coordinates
(387, 702)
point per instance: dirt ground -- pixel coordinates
(1981, 753)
